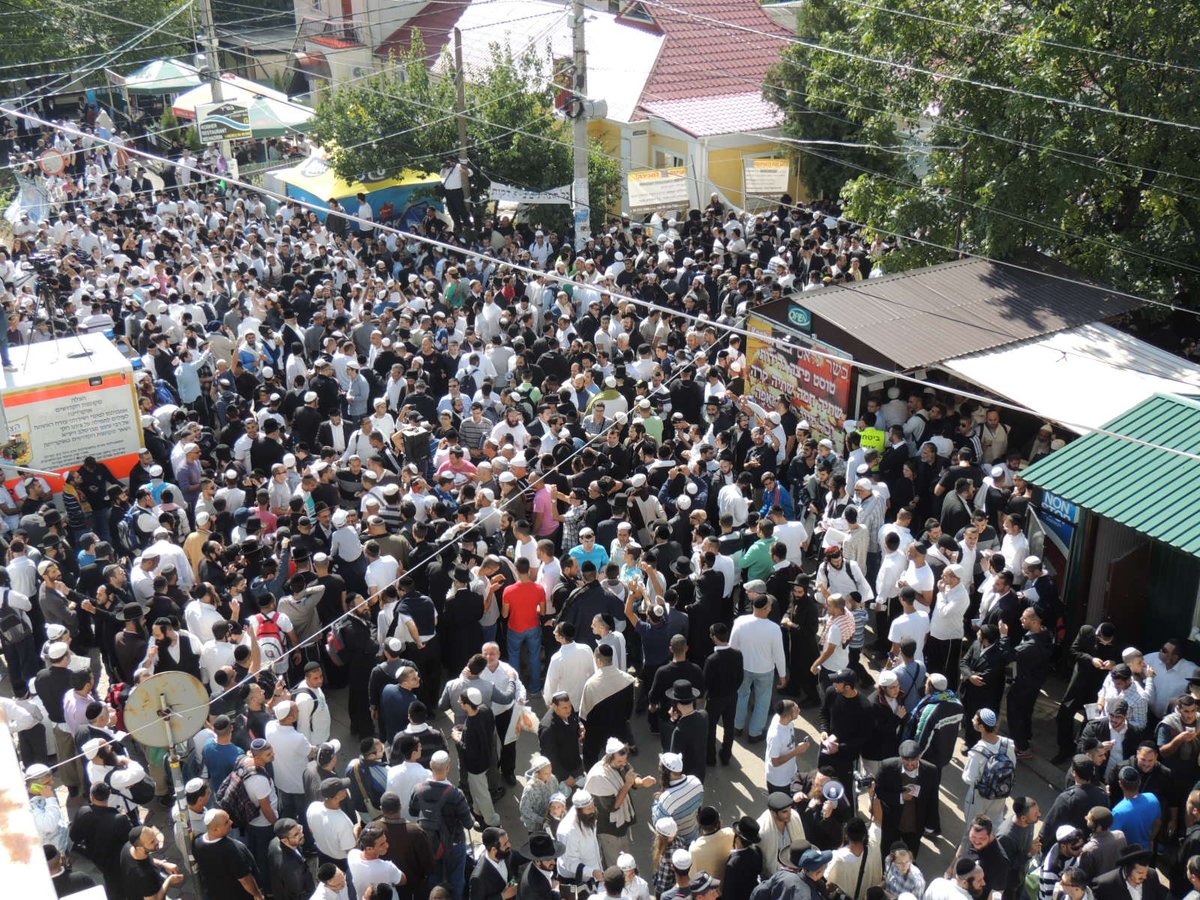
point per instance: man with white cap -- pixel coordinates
(943, 644)
(49, 817)
(52, 684)
(292, 753)
(224, 863)
(580, 861)
(477, 741)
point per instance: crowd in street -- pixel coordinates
(501, 519)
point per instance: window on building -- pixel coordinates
(665, 159)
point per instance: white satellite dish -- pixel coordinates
(166, 708)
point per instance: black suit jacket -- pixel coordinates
(989, 664)
(325, 432)
(1112, 886)
(889, 784)
(533, 885)
(1097, 729)
(723, 673)
(486, 882)
(741, 873)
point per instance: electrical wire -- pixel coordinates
(937, 76)
(1022, 36)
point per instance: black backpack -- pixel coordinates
(14, 627)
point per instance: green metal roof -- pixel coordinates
(1148, 489)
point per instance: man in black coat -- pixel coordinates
(558, 737)
(290, 877)
(680, 668)
(745, 862)
(491, 878)
(723, 672)
(99, 832)
(1093, 653)
(539, 880)
(1114, 727)
(981, 678)
(905, 797)
(1133, 873)
(1072, 805)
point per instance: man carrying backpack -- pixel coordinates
(274, 632)
(249, 796)
(989, 772)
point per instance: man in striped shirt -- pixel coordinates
(681, 798)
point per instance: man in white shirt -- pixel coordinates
(760, 642)
(782, 748)
(1171, 674)
(944, 643)
(580, 860)
(913, 622)
(368, 861)
(332, 831)
(918, 575)
(292, 753)
(570, 666)
(792, 535)
(505, 682)
(887, 588)
(312, 708)
(402, 778)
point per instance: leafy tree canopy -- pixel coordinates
(1103, 192)
(404, 117)
(58, 37)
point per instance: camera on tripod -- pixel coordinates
(44, 263)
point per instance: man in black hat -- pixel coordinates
(689, 736)
(539, 881)
(1093, 653)
(745, 863)
(905, 797)
(1133, 879)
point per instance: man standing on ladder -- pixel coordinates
(455, 175)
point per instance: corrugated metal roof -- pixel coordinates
(927, 315)
(728, 114)
(1150, 490)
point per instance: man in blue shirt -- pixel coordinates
(1138, 815)
(589, 551)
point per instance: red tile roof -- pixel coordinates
(703, 59)
(435, 22)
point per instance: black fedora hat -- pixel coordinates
(747, 829)
(542, 847)
(682, 691)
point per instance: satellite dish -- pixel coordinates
(174, 699)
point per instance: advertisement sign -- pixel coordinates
(658, 189)
(767, 177)
(819, 387)
(228, 121)
(799, 317)
(1060, 516)
(505, 193)
(70, 399)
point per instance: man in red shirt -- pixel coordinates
(522, 604)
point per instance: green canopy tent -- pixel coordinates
(162, 76)
(275, 118)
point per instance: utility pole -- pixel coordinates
(212, 52)
(580, 106)
(460, 108)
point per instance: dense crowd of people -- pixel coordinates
(506, 517)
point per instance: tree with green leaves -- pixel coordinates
(59, 37)
(403, 118)
(1102, 181)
